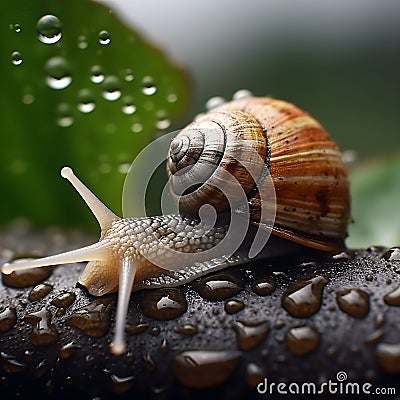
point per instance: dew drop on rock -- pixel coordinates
(111, 88)
(393, 298)
(44, 333)
(254, 375)
(148, 86)
(8, 318)
(134, 329)
(10, 364)
(388, 357)
(149, 363)
(93, 319)
(27, 277)
(96, 74)
(392, 254)
(374, 337)
(263, 287)
(304, 297)
(64, 300)
(86, 103)
(164, 346)
(219, 287)
(187, 329)
(354, 302)
(16, 58)
(58, 73)
(118, 384)
(343, 256)
(104, 38)
(214, 102)
(234, 306)
(49, 29)
(40, 291)
(164, 304)
(68, 350)
(200, 369)
(302, 340)
(250, 335)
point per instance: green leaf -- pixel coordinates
(375, 188)
(44, 128)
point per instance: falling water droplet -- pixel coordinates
(263, 287)
(16, 58)
(96, 74)
(148, 86)
(8, 318)
(242, 94)
(354, 302)
(58, 74)
(93, 319)
(40, 291)
(64, 300)
(250, 335)
(304, 297)
(27, 277)
(44, 333)
(214, 102)
(388, 356)
(86, 102)
(49, 29)
(164, 304)
(219, 287)
(200, 369)
(111, 88)
(104, 38)
(234, 306)
(302, 340)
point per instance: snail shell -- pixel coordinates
(251, 140)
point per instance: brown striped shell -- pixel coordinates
(305, 164)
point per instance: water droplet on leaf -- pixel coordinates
(58, 74)
(49, 29)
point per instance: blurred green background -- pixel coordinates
(339, 60)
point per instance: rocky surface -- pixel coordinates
(288, 320)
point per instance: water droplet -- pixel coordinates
(250, 335)
(28, 98)
(374, 337)
(16, 28)
(343, 256)
(86, 102)
(164, 304)
(135, 329)
(118, 384)
(124, 168)
(302, 340)
(369, 278)
(136, 127)
(200, 369)
(242, 94)
(129, 77)
(10, 364)
(162, 121)
(392, 254)
(8, 318)
(111, 88)
(26, 278)
(187, 329)
(16, 58)
(164, 346)
(40, 291)
(234, 306)
(68, 350)
(148, 86)
(82, 42)
(388, 356)
(64, 117)
(64, 300)
(155, 331)
(96, 74)
(128, 107)
(58, 73)
(219, 287)
(263, 287)
(104, 38)
(354, 302)
(172, 98)
(304, 297)
(214, 102)
(254, 375)
(44, 333)
(93, 319)
(393, 298)
(49, 29)
(148, 362)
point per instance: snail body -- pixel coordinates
(293, 184)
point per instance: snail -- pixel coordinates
(273, 150)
